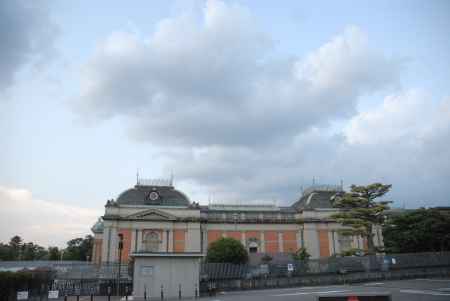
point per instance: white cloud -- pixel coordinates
(44, 222)
(214, 82)
(231, 117)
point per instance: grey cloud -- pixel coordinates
(242, 124)
(215, 83)
(26, 36)
(417, 165)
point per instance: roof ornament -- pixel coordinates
(155, 182)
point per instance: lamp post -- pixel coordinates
(235, 218)
(302, 235)
(120, 247)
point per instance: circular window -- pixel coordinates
(153, 196)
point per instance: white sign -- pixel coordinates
(53, 294)
(22, 295)
(147, 271)
(394, 261)
(290, 267)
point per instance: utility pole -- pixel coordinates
(120, 261)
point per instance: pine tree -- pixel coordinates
(360, 211)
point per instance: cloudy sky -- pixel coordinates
(241, 100)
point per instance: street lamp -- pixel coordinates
(302, 235)
(120, 261)
(235, 218)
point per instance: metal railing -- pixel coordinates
(70, 269)
(331, 265)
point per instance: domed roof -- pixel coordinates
(98, 226)
(153, 195)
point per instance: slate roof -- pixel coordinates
(140, 195)
(315, 200)
(98, 226)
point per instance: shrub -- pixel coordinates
(227, 250)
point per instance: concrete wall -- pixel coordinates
(151, 273)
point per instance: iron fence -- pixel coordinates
(70, 269)
(331, 265)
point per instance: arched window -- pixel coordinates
(253, 247)
(151, 241)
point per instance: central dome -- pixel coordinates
(153, 195)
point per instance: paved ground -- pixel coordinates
(401, 290)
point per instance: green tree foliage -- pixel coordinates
(301, 255)
(31, 251)
(79, 248)
(360, 211)
(227, 250)
(54, 253)
(17, 249)
(421, 230)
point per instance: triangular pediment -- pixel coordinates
(152, 215)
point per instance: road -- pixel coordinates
(401, 290)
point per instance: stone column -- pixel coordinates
(311, 238)
(263, 242)
(171, 240)
(280, 242)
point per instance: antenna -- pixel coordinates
(314, 181)
(342, 184)
(171, 178)
(137, 176)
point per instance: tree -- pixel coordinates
(301, 255)
(227, 250)
(31, 251)
(15, 245)
(54, 253)
(5, 252)
(421, 230)
(79, 248)
(360, 211)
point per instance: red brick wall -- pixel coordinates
(97, 256)
(214, 235)
(289, 241)
(324, 243)
(179, 243)
(271, 240)
(126, 244)
(234, 234)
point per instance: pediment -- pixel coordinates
(152, 215)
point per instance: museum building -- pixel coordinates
(153, 217)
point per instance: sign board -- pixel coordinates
(23, 295)
(53, 294)
(147, 271)
(290, 267)
(394, 261)
(264, 268)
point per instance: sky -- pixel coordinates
(242, 101)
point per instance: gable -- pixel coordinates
(152, 215)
